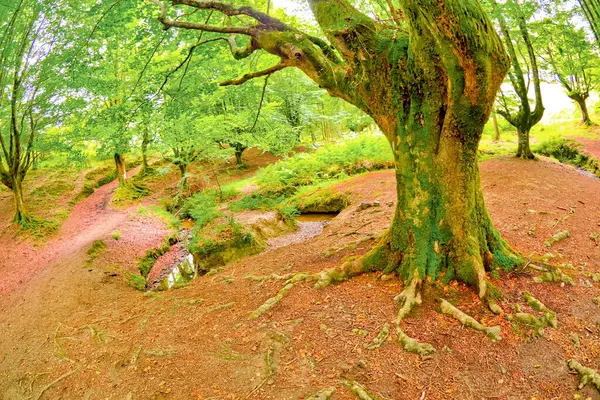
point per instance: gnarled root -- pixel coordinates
(323, 394)
(410, 297)
(550, 316)
(493, 332)
(414, 346)
(586, 375)
(556, 276)
(536, 324)
(289, 284)
(351, 268)
(358, 390)
(380, 339)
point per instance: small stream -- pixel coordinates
(309, 225)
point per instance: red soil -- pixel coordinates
(196, 342)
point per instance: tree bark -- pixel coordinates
(239, 151)
(430, 87)
(17, 190)
(524, 151)
(585, 115)
(182, 169)
(496, 129)
(145, 143)
(121, 169)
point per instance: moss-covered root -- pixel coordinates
(493, 332)
(409, 297)
(380, 339)
(537, 325)
(351, 268)
(414, 346)
(323, 394)
(289, 284)
(556, 276)
(549, 315)
(358, 390)
(354, 266)
(586, 375)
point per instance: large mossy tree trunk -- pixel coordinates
(523, 149)
(580, 100)
(429, 83)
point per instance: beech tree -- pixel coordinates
(570, 59)
(30, 57)
(428, 77)
(524, 72)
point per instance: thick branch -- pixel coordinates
(231, 10)
(258, 74)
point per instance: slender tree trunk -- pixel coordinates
(524, 151)
(145, 143)
(182, 169)
(17, 189)
(496, 129)
(121, 169)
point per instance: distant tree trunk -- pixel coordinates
(524, 151)
(145, 143)
(496, 129)
(581, 103)
(121, 169)
(239, 150)
(182, 169)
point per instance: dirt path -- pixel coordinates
(197, 343)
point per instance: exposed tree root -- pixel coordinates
(323, 394)
(412, 345)
(411, 296)
(380, 339)
(550, 316)
(556, 276)
(586, 375)
(358, 390)
(493, 332)
(289, 284)
(350, 269)
(54, 382)
(536, 324)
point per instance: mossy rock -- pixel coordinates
(323, 200)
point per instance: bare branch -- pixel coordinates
(258, 74)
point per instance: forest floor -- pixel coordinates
(71, 328)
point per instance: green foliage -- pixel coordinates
(116, 235)
(333, 161)
(202, 208)
(136, 281)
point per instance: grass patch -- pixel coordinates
(95, 250)
(38, 228)
(570, 152)
(116, 235)
(146, 263)
(169, 219)
(130, 191)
